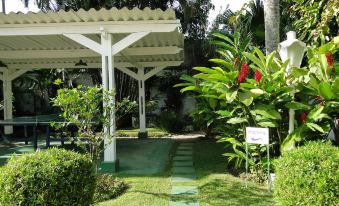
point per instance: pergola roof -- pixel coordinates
(92, 15)
(44, 40)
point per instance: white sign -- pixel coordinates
(257, 135)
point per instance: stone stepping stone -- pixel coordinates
(184, 153)
(184, 190)
(183, 178)
(183, 203)
(183, 170)
(182, 158)
(182, 164)
(185, 149)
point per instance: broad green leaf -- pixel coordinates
(297, 106)
(267, 124)
(297, 72)
(182, 85)
(222, 62)
(219, 69)
(236, 120)
(219, 77)
(335, 85)
(209, 96)
(247, 85)
(323, 63)
(189, 88)
(314, 113)
(213, 103)
(246, 98)
(260, 54)
(255, 60)
(313, 82)
(257, 91)
(224, 37)
(205, 70)
(187, 78)
(202, 76)
(230, 96)
(269, 59)
(224, 113)
(224, 45)
(289, 142)
(314, 127)
(268, 113)
(325, 90)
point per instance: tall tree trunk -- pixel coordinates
(272, 22)
(3, 7)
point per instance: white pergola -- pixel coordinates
(107, 39)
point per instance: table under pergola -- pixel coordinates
(117, 38)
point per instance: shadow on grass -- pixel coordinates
(231, 192)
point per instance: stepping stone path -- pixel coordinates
(183, 172)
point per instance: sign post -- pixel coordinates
(257, 135)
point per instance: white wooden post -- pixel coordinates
(110, 157)
(8, 101)
(142, 113)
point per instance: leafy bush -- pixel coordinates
(108, 187)
(52, 177)
(308, 175)
(170, 121)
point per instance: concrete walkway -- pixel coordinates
(184, 187)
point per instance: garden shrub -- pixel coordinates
(170, 121)
(108, 187)
(308, 175)
(51, 177)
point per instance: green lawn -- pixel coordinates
(152, 132)
(216, 187)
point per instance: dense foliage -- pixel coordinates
(83, 107)
(248, 88)
(52, 177)
(308, 175)
(108, 187)
(313, 20)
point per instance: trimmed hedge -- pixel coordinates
(308, 175)
(108, 187)
(52, 177)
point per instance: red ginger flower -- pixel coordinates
(243, 73)
(303, 117)
(257, 76)
(329, 59)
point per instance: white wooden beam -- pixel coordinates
(91, 28)
(127, 41)
(8, 101)
(76, 53)
(108, 84)
(131, 60)
(17, 73)
(71, 65)
(128, 72)
(142, 106)
(153, 72)
(85, 41)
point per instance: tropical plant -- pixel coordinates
(317, 86)
(251, 89)
(82, 106)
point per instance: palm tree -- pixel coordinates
(272, 23)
